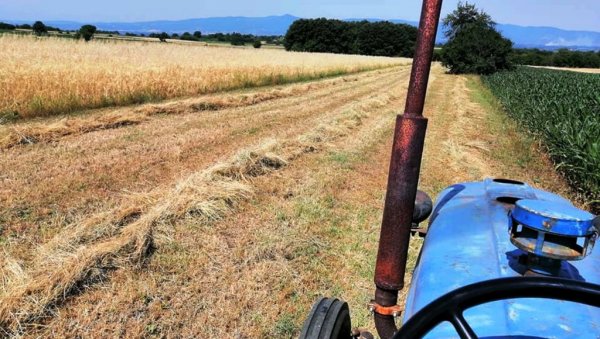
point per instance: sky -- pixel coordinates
(566, 14)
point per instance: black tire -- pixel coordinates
(328, 319)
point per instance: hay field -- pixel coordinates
(47, 76)
(226, 215)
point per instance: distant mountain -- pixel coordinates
(269, 25)
(522, 36)
(550, 37)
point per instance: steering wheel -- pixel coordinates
(451, 306)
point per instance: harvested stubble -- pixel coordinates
(45, 131)
(85, 252)
(47, 76)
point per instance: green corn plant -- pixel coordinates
(563, 110)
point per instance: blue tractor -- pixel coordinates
(501, 259)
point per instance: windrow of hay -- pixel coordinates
(85, 252)
(43, 132)
(36, 132)
(49, 76)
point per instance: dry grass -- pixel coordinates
(41, 77)
(47, 186)
(48, 131)
(84, 252)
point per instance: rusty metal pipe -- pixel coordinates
(405, 165)
(419, 77)
(397, 216)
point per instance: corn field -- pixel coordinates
(563, 110)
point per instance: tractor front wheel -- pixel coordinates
(328, 319)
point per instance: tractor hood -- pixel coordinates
(468, 241)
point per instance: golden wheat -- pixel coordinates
(46, 76)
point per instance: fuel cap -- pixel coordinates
(552, 229)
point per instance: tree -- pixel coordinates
(188, 36)
(198, 35)
(320, 35)
(465, 14)
(6, 26)
(39, 28)
(87, 32)
(237, 39)
(257, 44)
(363, 37)
(174, 36)
(474, 45)
(163, 37)
(386, 39)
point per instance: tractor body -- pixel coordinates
(469, 240)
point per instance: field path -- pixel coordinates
(314, 166)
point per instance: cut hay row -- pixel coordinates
(44, 132)
(49, 76)
(84, 174)
(84, 253)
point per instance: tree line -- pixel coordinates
(9, 27)
(87, 32)
(560, 58)
(39, 28)
(381, 38)
(473, 43)
(235, 39)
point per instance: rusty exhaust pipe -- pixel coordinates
(405, 165)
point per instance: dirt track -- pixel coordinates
(310, 228)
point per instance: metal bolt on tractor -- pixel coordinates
(496, 251)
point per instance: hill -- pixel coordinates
(522, 36)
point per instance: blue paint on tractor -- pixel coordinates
(468, 241)
(554, 217)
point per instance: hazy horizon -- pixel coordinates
(583, 15)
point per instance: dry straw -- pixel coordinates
(48, 131)
(48, 76)
(83, 253)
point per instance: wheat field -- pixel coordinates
(49, 76)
